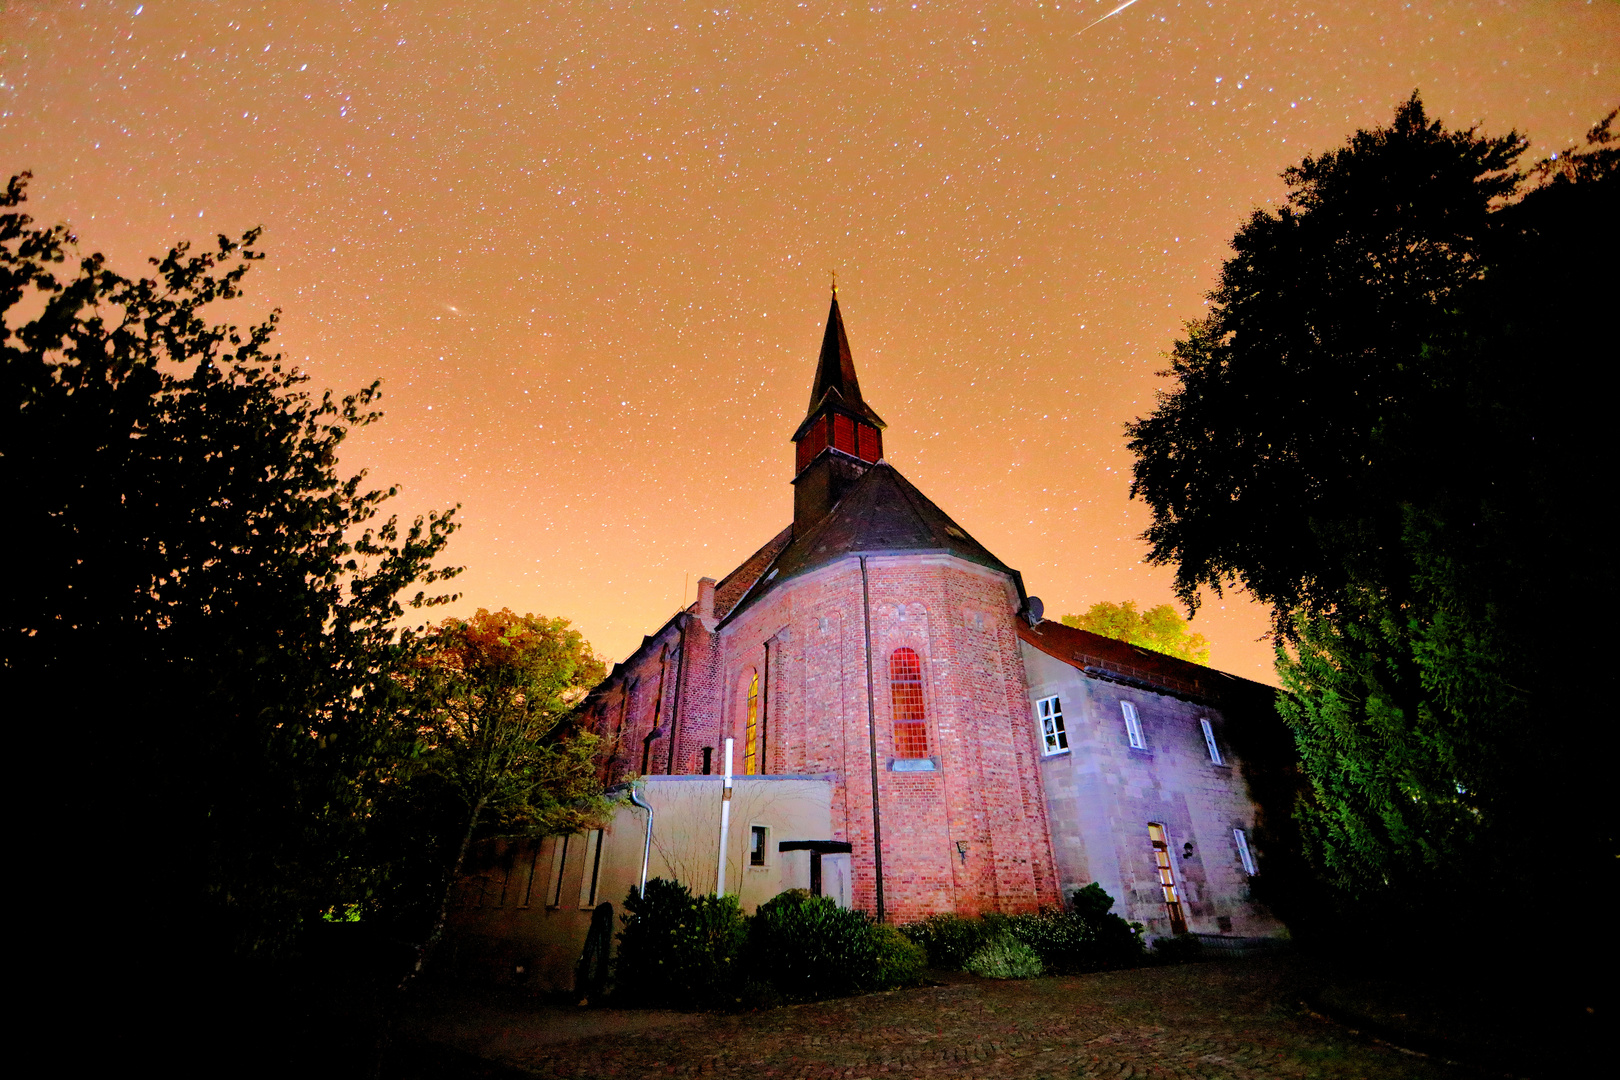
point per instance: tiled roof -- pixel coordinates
(883, 513)
(1122, 662)
(735, 584)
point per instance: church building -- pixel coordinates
(908, 733)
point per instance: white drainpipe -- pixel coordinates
(725, 823)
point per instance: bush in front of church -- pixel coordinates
(678, 950)
(901, 961)
(685, 952)
(1086, 937)
(1004, 957)
(949, 940)
(807, 947)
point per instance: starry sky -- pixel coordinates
(587, 246)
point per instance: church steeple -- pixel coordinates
(835, 372)
(838, 418)
(841, 435)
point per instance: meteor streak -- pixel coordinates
(1106, 17)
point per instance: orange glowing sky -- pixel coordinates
(586, 246)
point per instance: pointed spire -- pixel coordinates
(841, 437)
(835, 371)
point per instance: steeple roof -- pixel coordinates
(836, 387)
(883, 513)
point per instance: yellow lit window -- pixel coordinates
(751, 732)
(1167, 878)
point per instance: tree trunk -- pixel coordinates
(425, 949)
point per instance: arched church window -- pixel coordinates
(751, 728)
(906, 695)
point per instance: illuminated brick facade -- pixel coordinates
(873, 620)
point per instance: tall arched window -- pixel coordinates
(906, 694)
(751, 731)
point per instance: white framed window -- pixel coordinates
(1133, 725)
(1209, 741)
(1054, 739)
(1241, 838)
(593, 869)
(759, 845)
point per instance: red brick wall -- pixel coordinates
(987, 794)
(699, 722)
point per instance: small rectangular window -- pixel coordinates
(1053, 738)
(1209, 741)
(593, 869)
(559, 859)
(534, 868)
(1133, 725)
(758, 836)
(1241, 838)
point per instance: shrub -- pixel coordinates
(948, 939)
(1004, 957)
(1084, 938)
(680, 951)
(1182, 949)
(807, 948)
(900, 961)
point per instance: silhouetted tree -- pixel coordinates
(1385, 429)
(209, 608)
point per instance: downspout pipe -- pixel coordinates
(871, 741)
(646, 847)
(725, 824)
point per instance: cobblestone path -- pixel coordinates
(1238, 1021)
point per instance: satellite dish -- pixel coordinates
(1034, 610)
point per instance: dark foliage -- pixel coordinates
(808, 948)
(1386, 429)
(209, 607)
(900, 961)
(684, 952)
(1269, 464)
(949, 940)
(1085, 937)
(1182, 949)
(678, 951)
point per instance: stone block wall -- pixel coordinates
(1103, 793)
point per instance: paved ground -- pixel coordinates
(1234, 1020)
